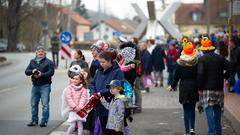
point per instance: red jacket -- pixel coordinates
(172, 53)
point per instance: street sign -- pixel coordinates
(116, 33)
(65, 37)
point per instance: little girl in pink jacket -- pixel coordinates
(74, 97)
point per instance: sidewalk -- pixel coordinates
(232, 105)
(162, 115)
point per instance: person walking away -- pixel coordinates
(171, 60)
(108, 71)
(212, 70)
(186, 73)
(75, 96)
(78, 56)
(115, 122)
(235, 61)
(41, 70)
(55, 49)
(158, 56)
(146, 61)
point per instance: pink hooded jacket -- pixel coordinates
(76, 96)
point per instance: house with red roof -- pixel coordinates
(70, 21)
(192, 18)
(110, 29)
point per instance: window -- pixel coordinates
(196, 16)
(107, 29)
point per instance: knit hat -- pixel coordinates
(40, 47)
(95, 46)
(128, 53)
(206, 44)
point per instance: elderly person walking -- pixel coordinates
(212, 70)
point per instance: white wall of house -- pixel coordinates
(106, 32)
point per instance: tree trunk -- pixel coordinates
(13, 23)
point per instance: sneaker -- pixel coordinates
(192, 132)
(33, 123)
(147, 90)
(43, 124)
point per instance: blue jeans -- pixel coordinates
(189, 116)
(170, 76)
(214, 120)
(40, 92)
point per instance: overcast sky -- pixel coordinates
(121, 8)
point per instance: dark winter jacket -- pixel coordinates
(188, 92)
(211, 73)
(81, 63)
(45, 66)
(158, 56)
(235, 58)
(131, 75)
(55, 44)
(99, 82)
(146, 61)
(95, 65)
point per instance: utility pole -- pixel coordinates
(230, 28)
(99, 19)
(208, 15)
(45, 25)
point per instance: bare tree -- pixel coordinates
(13, 23)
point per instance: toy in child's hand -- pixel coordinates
(200, 109)
(94, 99)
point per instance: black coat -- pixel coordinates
(146, 61)
(212, 70)
(158, 56)
(188, 83)
(131, 75)
(45, 66)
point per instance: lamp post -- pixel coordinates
(230, 28)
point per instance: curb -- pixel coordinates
(7, 63)
(234, 122)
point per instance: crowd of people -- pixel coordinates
(119, 73)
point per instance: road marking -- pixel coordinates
(162, 123)
(7, 89)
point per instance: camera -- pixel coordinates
(35, 72)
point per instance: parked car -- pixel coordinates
(3, 46)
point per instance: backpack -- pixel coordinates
(128, 90)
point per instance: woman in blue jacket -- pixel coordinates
(108, 71)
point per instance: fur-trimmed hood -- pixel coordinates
(186, 60)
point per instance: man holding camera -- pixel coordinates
(41, 70)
